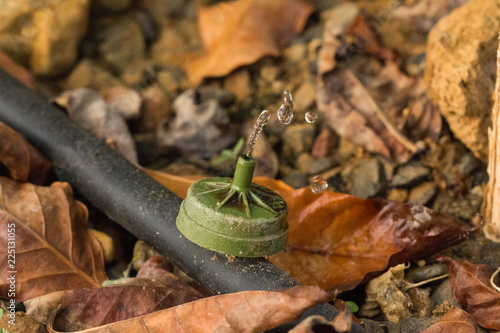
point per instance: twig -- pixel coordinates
(492, 194)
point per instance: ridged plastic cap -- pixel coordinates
(235, 216)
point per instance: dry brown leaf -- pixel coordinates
(154, 289)
(337, 240)
(24, 162)
(23, 323)
(87, 108)
(17, 71)
(241, 32)
(373, 104)
(247, 311)
(472, 290)
(455, 321)
(54, 250)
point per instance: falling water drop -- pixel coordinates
(261, 121)
(285, 112)
(318, 184)
(311, 117)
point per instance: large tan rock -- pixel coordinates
(461, 67)
(52, 29)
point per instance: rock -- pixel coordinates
(404, 326)
(366, 179)
(468, 163)
(162, 10)
(303, 161)
(238, 82)
(155, 108)
(443, 294)
(172, 80)
(341, 16)
(347, 149)
(319, 165)
(461, 208)
(107, 6)
(397, 194)
(270, 73)
(120, 43)
(295, 52)
(324, 144)
(422, 304)
(423, 193)
(427, 272)
(87, 74)
(17, 47)
(295, 179)
(410, 174)
(304, 97)
(298, 138)
(460, 71)
(58, 30)
(199, 129)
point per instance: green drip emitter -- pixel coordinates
(233, 215)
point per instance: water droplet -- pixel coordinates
(287, 98)
(261, 121)
(311, 117)
(263, 118)
(318, 184)
(285, 112)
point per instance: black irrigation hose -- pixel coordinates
(130, 197)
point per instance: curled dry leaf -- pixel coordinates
(362, 100)
(87, 108)
(17, 71)
(24, 162)
(154, 289)
(54, 250)
(247, 311)
(337, 240)
(455, 321)
(318, 324)
(200, 127)
(23, 323)
(241, 32)
(472, 290)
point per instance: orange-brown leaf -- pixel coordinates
(54, 250)
(472, 290)
(153, 289)
(337, 240)
(17, 71)
(247, 311)
(241, 32)
(455, 321)
(22, 160)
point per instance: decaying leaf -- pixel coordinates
(318, 324)
(17, 71)
(54, 250)
(337, 240)
(23, 323)
(200, 127)
(455, 321)
(247, 311)
(372, 103)
(472, 290)
(241, 32)
(87, 108)
(24, 162)
(154, 289)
